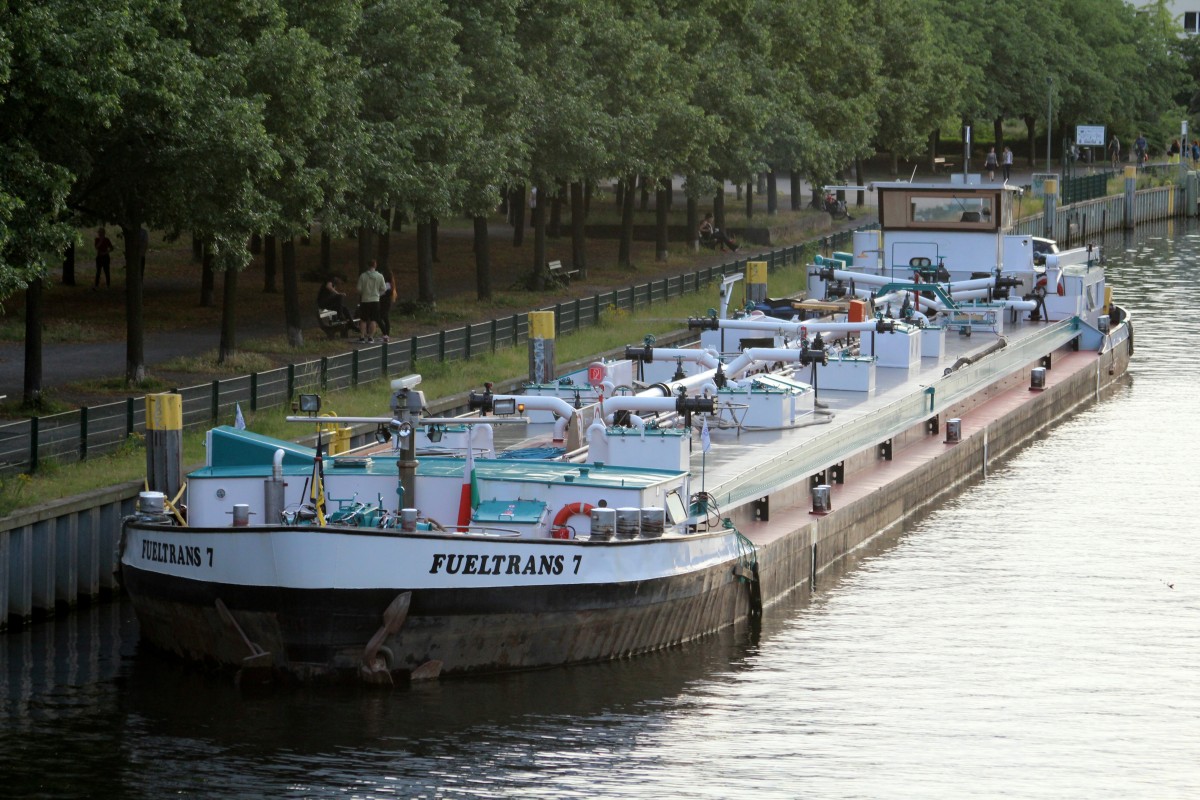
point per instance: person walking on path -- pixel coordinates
(1141, 147)
(104, 248)
(1007, 161)
(1114, 151)
(370, 288)
(385, 305)
(990, 163)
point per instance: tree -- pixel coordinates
(57, 77)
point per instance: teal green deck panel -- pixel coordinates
(523, 512)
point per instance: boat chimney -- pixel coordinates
(1103, 322)
(1037, 379)
(408, 520)
(604, 522)
(953, 431)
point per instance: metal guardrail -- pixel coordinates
(832, 446)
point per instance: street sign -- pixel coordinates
(1089, 135)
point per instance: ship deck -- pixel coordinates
(741, 462)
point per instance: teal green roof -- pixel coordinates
(239, 453)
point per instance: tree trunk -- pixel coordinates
(693, 222)
(719, 207)
(517, 202)
(31, 393)
(588, 188)
(1031, 143)
(197, 248)
(554, 227)
(579, 197)
(998, 133)
(538, 214)
(935, 140)
(772, 193)
(797, 200)
(483, 259)
(425, 294)
(625, 247)
(228, 317)
(894, 164)
(644, 183)
(750, 199)
(135, 334)
(291, 294)
(270, 265)
(366, 238)
(326, 252)
(662, 201)
(207, 279)
(383, 242)
(433, 240)
(861, 179)
(255, 244)
(69, 265)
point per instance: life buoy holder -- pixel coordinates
(559, 529)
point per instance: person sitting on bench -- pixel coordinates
(330, 298)
(711, 236)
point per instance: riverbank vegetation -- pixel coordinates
(255, 125)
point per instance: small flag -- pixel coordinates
(469, 497)
(316, 494)
(705, 441)
(239, 421)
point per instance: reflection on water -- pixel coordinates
(1034, 637)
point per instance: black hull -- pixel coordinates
(323, 634)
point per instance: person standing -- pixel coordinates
(1007, 161)
(370, 289)
(1141, 147)
(385, 305)
(990, 163)
(104, 248)
(1114, 150)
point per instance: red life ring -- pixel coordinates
(559, 529)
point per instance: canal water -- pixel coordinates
(1037, 636)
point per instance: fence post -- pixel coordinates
(254, 391)
(354, 369)
(467, 344)
(442, 345)
(557, 321)
(324, 380)
(493, 335)
(83, 433)
(291, 383)
(1130, 191)
(128, 417)
(384, 370)
(596, 309)
(216, 399)
(1050, 211)
(412, 353)
(33, 444)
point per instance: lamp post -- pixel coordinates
(1049, 116)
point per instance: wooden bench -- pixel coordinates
(560, 273)
(941, 163)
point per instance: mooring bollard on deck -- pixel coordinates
(541, 347)
(164, 443)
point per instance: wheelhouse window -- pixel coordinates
(943, 210)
